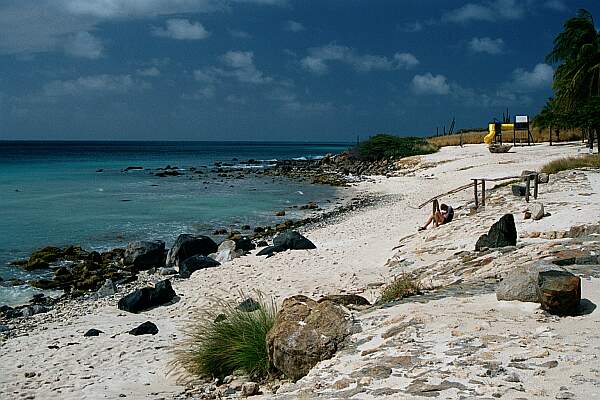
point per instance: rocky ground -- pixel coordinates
(455, 341)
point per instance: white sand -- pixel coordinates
(351, 254)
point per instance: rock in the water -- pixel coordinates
(293, 240)
(250, 389)
(195, 263)
(306, 332)
(187, 246)
(148, 297)
(346, 299)
(93, 332)
(147, 328)
(519, 190)
(143, 255)
(559, 291)
(248, 305)
(537, 211)
(107, 289)
(502, 233)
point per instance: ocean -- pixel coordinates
(61, 193)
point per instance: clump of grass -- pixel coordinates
(401, 287)
(388, 146)
(563, 164)
(225, 339)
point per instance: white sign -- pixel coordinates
(521, 119)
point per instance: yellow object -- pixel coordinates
(489, 138)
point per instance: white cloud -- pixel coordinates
(487, 45)
(319, 57)
(293, 26)
(430, 84)
(241, 66)
(489, 11)
(205, 93)
(137, 8)
(182, 29)
(95, 84)
(206, 75)
(83, 44)
(151, 71)
(540, 77)
(556, 5)
(412, 27)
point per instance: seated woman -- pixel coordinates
(442, 214)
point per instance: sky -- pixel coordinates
(284, 70)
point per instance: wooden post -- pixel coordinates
(483, 192)
(535, 186)
(475, 192)
(550, 135)
(527, 187)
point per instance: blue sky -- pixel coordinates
(300, 70)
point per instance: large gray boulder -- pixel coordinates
(501, 234)
(148, 297)
(557, 290)
(226, 252)
(306, 332)
(143, 255)
(187, 246)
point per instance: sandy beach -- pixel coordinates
(355, 254)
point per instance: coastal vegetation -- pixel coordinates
(563, 164)
(383, 146)
(576, 85)
(476, 137)
(229, 338)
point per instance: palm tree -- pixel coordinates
(577, 77)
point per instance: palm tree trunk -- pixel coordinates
(591, 139)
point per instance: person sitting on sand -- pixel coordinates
(442, 214)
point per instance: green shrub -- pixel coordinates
(225, 339)
(563, 164)
(386, 146)
(402, 286)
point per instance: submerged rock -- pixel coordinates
(143, 255)
(501, 234)
(187, 246)
(195, 263)
(304, 333)
(148, 297)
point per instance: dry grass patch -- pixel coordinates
(401, 287)
(539, 136)
(563, 164)
(225, 339)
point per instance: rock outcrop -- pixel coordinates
(143, 255)
(195, 263)
(306, 332)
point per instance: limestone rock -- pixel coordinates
(520, 284)
(501, 234)
(187, 246)
(537, 211)
(107, 289)
(306, 332)
(226, 252)
(559, 291)
(143, 255)
(250, 389)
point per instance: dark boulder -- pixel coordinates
(502, 233)
(92, 332)
(148, 297)
(147, 328)
(143, 255)
(244, 243)
(187, 246)
(346, 299)
(270, 250)
(559, 291)
(195, 263)
(293, 240)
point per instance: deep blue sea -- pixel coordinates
(52, 194)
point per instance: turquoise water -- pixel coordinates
(52, 194)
